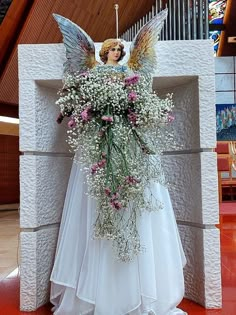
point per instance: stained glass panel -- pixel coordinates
(216, 16)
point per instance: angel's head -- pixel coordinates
(112, 49)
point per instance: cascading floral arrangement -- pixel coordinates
(118, 124)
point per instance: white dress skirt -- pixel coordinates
(88, 280)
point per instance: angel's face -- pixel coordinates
(114, 54)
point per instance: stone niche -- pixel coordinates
(186, 69)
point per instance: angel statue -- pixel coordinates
(119, 251)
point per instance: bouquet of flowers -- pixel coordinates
(119, 125)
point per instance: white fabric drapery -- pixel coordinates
(87, 279)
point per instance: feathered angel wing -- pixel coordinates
(142, 50)
(80, 49)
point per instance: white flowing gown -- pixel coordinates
(88, 280)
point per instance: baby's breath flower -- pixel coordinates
(117, 123)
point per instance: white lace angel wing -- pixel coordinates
(142, 50)
(80, 49)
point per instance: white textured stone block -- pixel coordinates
(224, 64)
(43, 182)
(207, 114)
(175, 58)
(194, 126)
(209, 188)
(37, 255)
(185, 57)
(203, 269)
(193, 186)
(39, 130)
(41, 62)
(27, 98)
(185, 127)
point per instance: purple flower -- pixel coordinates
(132, 96)
(86, 114)
(107, 118)
(132, 79)
(71, 123)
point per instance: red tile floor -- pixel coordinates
(9, 287)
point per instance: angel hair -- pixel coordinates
(107, 45)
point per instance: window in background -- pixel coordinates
(216, 16)
(4, 6)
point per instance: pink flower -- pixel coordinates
(132, 117)
(132, 79)
(116, 204)
(86, 114)
(107, 118)
(132, 96)
(170, 118)
(98, 165)
(101, 163)
(107, 191)
(104, 154)
(115, 196)
(131, 180)
(94, 168)
(71, 123)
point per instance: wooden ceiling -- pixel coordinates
(31, 22)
